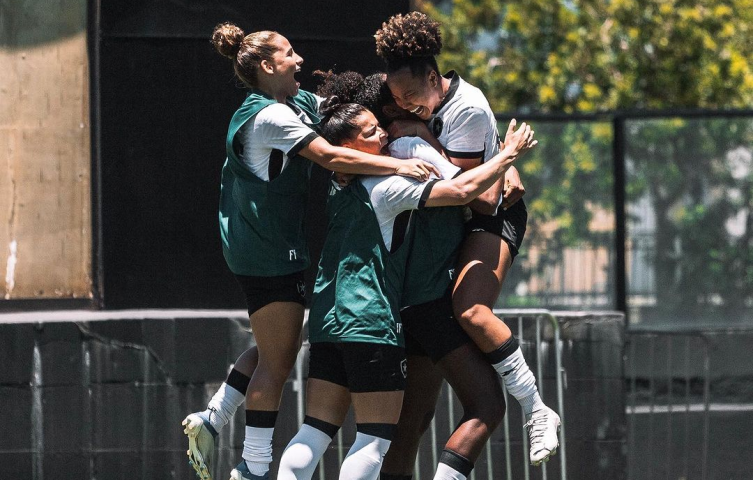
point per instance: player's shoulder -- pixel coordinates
(471, 99)
(276, 113)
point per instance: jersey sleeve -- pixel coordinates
(467, 134)
(281, 129)
(416, 147)
(396, 194)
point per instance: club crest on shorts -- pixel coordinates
(301, 286)
(404, 367)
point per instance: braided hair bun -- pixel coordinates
(227, 39)
(329, 106)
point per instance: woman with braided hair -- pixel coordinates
(457, 118)
(270, 141)
(357, 351)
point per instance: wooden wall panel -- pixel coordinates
(45, 206)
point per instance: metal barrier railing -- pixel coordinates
(654, 396)
(514, 318)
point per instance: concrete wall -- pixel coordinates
(102, 394)
(45, 213)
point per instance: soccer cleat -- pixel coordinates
(542, 433)
(201, 436)
(241, 473)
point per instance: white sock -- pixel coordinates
(365, 458)
(257, 449)
(520, 382)
(303, 453)
(223, 405)
(446, 472)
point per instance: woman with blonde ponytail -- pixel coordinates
(262, 203)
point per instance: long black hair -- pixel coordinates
(339, 120)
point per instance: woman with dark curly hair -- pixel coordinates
(357, 351)
(271, 138)
(459, 117)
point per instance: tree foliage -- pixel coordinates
(591, 56)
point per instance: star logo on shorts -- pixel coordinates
(404, 367)
(301, 286)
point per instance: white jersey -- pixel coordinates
(464, 122)
(393, 197)
(272, 137)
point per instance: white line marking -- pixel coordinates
(692, 408)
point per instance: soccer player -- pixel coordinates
(263, 198)
(459, 117)
(357, 351)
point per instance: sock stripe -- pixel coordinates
(456, 461)
(261, 418)
(388, 476)
(238, 381)
(381, 430)
(504, 351)
(328, 428)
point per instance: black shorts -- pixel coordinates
(261, 291)
(359, 367)
(432, 330)
(509, 224)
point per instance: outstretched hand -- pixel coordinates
(417, 169)
(519, 141)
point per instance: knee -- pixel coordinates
(275, 372)
(474, 315)
(490, 412)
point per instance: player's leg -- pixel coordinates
(422, 389)
(376, 378)
(277, 331)
(474, 381)
(477, 387)
(485, 259)
(327, 403)
(203, 427)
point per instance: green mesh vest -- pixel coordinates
(437, 235)
(358, 285)
(261, 222)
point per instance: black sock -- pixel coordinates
(455, 461)
(261, 418)
(504, 351)
(238, 381)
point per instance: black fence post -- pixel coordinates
(93, 47)
(620, 230)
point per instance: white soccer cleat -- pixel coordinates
(201, 436)
(542, 434)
